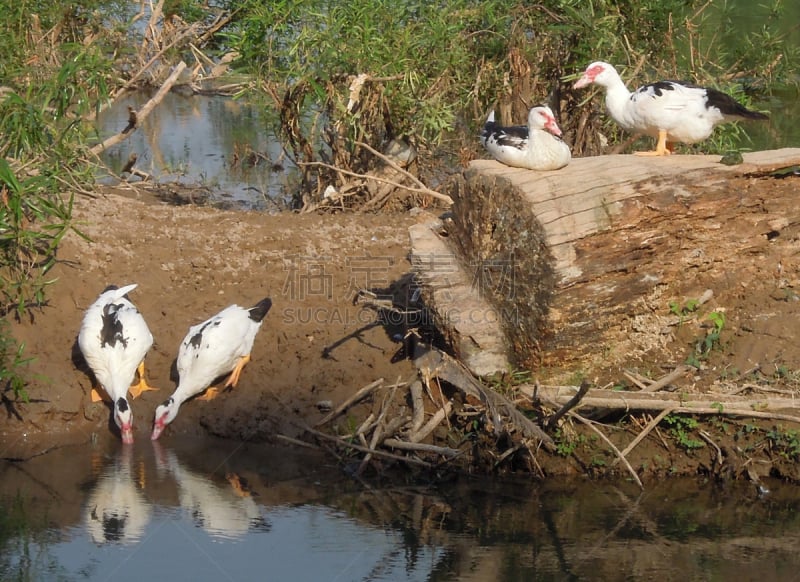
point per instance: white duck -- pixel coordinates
(114, 340)
(667, 110)
(219, 345)
(536, 147)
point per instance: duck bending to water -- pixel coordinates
(218, 346)
(535, 147)
(670, 111)
(114, 340)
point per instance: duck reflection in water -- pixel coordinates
(116, 511)
(228, 511)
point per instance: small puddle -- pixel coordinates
(215, 142)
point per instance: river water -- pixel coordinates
(217, 510)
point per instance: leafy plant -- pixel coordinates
(32, 224)
(785, 442)
(690, 306)
(12, 363)
(681, 428)
(712, 338)
(506, 382)
(709, 342)
(566, 446)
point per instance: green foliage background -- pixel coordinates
(446, 64)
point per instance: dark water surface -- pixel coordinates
(215, 510)
(208, 141)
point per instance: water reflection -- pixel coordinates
(116, 511)
(211, 510)
(227, 510)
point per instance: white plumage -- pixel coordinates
(667, 110)
(219, 345)
(224, 511)
(535, 147)
(116, 511)
(114, 340)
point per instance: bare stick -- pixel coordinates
(379, 431)
(746, 413)
(405, 446)
(297, 442)
(377, 453)
(706, 437)
(650, 426)
(144, 111)
(667, 379)
(423, 190)
(365, 425)
(350, 401)
(435, 420)
(376, 435)
(691, 403)
(635, 379)
(418, 404)
(611, 445)
(404, 172)
(433, 362)
(571, 403)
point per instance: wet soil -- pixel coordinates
(316, 347)
(190, 262)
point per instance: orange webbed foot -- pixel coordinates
(662, 147)
(142, 386)
(237, 371)
(209, 394)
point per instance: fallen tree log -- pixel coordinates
(579, 265)
(708, 403)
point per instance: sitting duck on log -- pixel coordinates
(670, 111)
(535, 147)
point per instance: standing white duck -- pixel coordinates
(535, 147)
(667, 110)
(211, 349)
(114, 340)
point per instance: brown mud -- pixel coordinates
(316, 347)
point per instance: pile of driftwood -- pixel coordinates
(392, 176)
(445, 416)
(407, 416)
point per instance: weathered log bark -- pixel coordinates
(639, 401)
(575, 262)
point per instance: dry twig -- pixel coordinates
(363, 392)
(569, 405)
(650, 426)
(611, 445)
